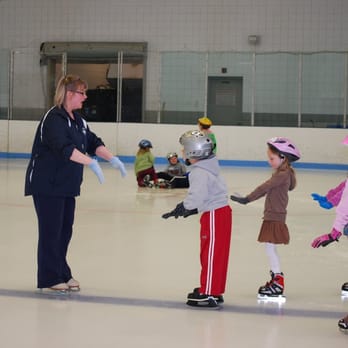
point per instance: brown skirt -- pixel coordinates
(275, 232)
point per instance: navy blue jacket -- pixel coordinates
(50, 171)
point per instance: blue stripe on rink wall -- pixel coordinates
(304, 165)
(227, 163)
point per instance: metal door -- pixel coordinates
(225, 100)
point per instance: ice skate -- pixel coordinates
(344, 289)
(218, 298)
(273, 290)
(57, 289)
(161, 183)
(147, 181)
(343, 324)
(73, 285)
(195, 299)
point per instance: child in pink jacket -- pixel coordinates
(336, 197)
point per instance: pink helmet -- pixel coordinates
(285, 147)
(345, 140)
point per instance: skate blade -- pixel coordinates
(345, 331)
(344, 293)
(203, 305)
(51, 292)
(266, 298)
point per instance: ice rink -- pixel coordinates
(136, 269)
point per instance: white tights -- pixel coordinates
(273, 257)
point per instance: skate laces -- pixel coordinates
(275, 286)
(271, 281)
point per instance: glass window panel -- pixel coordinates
(182, 87)
(323, 83)
(28, 87)
(276, 90)
(4, 83)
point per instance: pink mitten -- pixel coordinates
(326, 239)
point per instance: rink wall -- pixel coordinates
(242, 146)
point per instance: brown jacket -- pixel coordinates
(276, 191)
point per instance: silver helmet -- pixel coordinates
(171, 155)
(196, 145)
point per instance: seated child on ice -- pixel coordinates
(174, 175)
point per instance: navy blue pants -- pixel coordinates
(55, 220)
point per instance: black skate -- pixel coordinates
(147, 181)
(343, 324)
(344, 289)
(195, 299)
(274, 289)
(164, 184)
(218, 298)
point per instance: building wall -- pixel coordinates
(169, 26)
(181, 25)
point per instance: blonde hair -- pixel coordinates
(67, 83)
(142, 150)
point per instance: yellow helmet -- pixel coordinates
(205, 121)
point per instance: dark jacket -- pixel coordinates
(50, 171)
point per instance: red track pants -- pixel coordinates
(216, 230)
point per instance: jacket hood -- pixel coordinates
(211, 164)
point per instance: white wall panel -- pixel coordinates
(321, 146)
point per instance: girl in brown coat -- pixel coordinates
(281, 152)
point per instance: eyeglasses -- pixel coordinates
(80, 92)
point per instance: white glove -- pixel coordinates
(116, 163)
(95, 167)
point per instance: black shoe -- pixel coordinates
(218, 298)
(345, 287)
